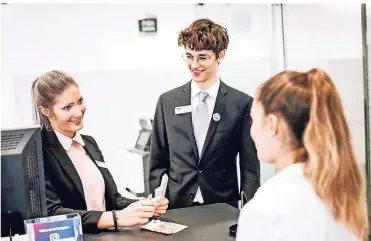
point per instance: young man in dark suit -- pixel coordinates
(200, 127)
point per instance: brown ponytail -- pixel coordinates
(332, 166)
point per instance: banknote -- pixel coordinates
(163, 227)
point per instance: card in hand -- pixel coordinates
(161, 190)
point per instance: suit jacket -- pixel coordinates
(174, 150)
(64, 190)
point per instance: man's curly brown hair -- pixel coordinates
(204, 34)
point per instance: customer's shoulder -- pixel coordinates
(283, 195)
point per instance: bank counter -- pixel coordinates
(205, 223)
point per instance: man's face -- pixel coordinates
(202, 64)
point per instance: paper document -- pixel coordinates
(163, 227)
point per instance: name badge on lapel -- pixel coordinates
(183, 109)
(101, 164)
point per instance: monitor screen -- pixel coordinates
(143, 140)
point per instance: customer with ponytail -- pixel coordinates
(318, 192)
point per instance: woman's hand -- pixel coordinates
(137, 213)
(160, 209)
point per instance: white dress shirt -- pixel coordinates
(212, 91)
(286, 208)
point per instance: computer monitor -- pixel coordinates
(22, 177)
(143, 141)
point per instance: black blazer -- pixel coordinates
(174, 149)
(64, 190)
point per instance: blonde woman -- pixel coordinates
(318, 192)
(76, 177)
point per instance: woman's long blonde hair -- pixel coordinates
(310, 105)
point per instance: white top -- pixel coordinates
(286, 208)
(212, 91)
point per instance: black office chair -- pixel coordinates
(233, 228)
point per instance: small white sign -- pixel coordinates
(183, 109)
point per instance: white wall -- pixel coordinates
(330, 37)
